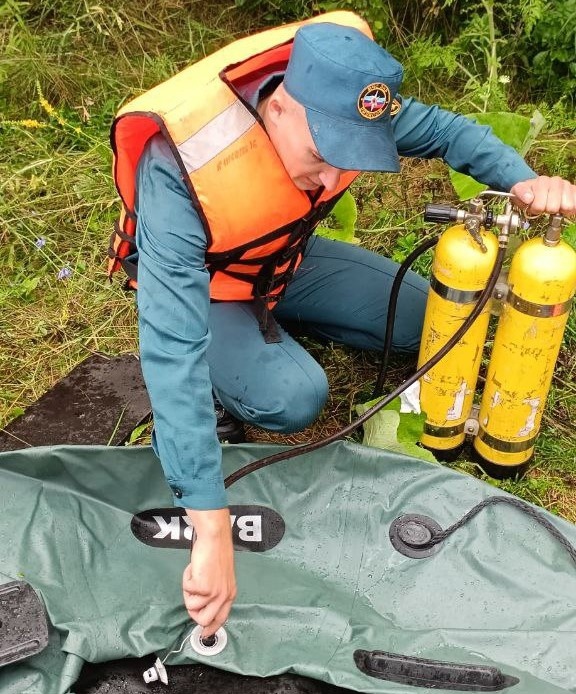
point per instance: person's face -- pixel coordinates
(287, 127)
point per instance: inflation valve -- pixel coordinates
(411, 534)
(211, 645)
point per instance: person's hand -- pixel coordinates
(209, 583)
(546, 195)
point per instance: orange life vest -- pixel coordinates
(256, 221)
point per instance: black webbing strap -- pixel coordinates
(266, 321)
(130, 268)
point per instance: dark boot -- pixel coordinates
(228, 428)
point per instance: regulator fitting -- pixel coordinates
(475, 218)
(478, 215)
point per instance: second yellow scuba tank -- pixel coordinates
(542, 282)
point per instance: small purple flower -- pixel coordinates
(64, 273)
(40, 243)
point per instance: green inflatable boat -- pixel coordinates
(345, 574)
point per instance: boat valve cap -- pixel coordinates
(411, 535)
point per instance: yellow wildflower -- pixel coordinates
(30, 123)
(26, 123)
(47, 106)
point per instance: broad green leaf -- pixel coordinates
(345, 214)
(393, 430)
(517, 131)
(537, 122)
(569, 235)
(137, 433)
(465, 186)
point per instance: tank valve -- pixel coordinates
(554, 231)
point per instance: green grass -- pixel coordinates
(67, 66)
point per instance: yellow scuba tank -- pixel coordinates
(463, 260)
(542, 282)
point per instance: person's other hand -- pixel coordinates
(546, 195)
(209, 583)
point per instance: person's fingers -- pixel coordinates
(550, 195)
(195, 602)
(568, 199)
(209, 612)
(540, 189)
(554, 196)
(219, 619)
(523, 194)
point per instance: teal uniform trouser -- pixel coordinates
(339, 293)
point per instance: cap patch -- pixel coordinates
(396, 106)
(373, 100)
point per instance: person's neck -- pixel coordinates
(262, 110)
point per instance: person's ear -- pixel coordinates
(274, 109)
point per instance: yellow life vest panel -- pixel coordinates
(256, 221)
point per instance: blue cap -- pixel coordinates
(347, 83)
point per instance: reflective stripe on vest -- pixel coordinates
(215, 136)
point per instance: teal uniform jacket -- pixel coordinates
(173, 294)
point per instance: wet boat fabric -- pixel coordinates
(499, 592)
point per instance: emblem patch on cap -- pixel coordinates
(396, 106)
(373, 100)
